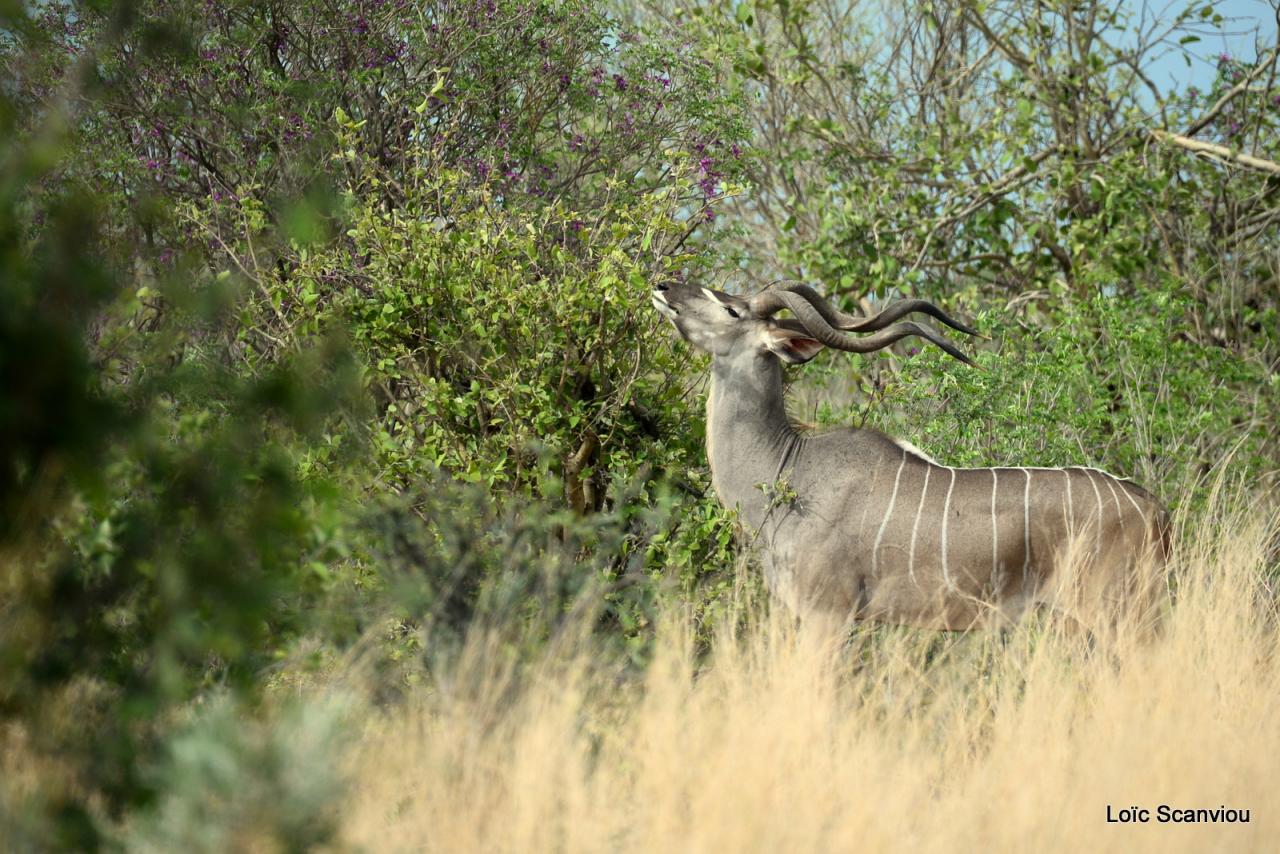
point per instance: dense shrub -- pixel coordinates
(326, 336)
(287, 285)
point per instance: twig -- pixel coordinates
(1220, 152)
(1007, 183)
(1243, 86)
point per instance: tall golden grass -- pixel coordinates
(899, 740)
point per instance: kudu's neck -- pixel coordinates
(749, 439)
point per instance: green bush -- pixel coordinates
(1117, 382)
(311, 346)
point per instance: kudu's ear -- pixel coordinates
(794, 348)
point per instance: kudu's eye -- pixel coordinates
(732, 313)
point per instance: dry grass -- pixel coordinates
(907, 741)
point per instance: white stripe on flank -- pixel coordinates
(1141, 515)
(946, 516)
(995, 536)
(1119, 511)
(875, 549)
(1066, 508)
(1097, 529)
(915, 527)
(1026, 527)
(1110, 478)
(866, 505)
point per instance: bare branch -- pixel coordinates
(1219, 152)
(1241, 87)
(1007, 183)
(1012, 54)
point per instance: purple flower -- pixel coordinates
(482, 169)
(1224, 58)
(577, 225)
(620, 82)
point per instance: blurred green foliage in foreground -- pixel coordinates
(324, 333)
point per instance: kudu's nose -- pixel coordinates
(660, 302)
(662, 286)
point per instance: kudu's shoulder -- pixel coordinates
(865, 445)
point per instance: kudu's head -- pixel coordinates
(725, 325)
(728, 326)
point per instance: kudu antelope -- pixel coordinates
(853, 525)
